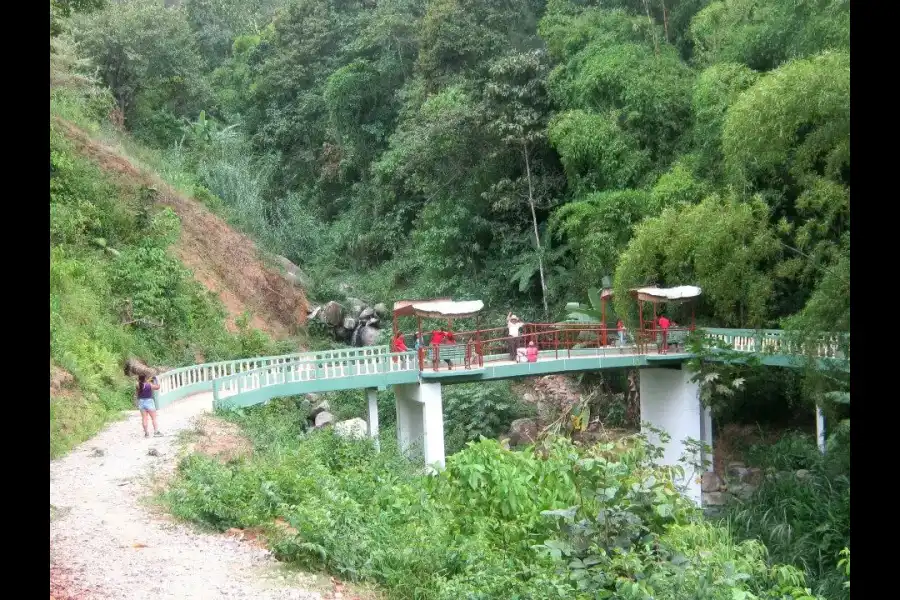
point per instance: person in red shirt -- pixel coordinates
(532, 352)
(443, 336)
(397, 344)
(664, 326)
(620, 327)
(448, 336)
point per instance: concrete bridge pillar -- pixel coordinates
(372, 397)
(671, 402)
(420, 421)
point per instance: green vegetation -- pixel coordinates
(802, 520)
(424, 147)
(517, 154)
(115, 292)
(553, 522)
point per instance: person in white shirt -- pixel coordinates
(514, 325)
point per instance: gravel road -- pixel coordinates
(104, 534)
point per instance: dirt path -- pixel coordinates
(112, 545)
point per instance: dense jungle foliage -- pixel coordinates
(513, 152)
(557, 521)
(517, 152)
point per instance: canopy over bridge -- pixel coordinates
(443, 345)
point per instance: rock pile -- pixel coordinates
(356, 324)
(320, 417)
(740, 483)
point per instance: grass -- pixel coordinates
(803, 521)
(479, 529)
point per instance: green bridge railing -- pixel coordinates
(227, 379)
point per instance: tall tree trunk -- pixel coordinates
(650, 22)
(665, 19)
(537, 236)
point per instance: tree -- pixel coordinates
(218, 22)
(599, 227)
(763, 34)
(517, 105)
(146, 54)
(723, 245)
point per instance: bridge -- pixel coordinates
(669, 399)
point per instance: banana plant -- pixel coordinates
(582, 313)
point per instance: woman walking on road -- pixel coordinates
(146, 404)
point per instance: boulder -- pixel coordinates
(381, 310)
(318, 407)
(356, 306)
(334, 313)
(366, 314)
(134, 366)
(714, 499)
(349, 323)
(737, 470)
(314, 313)
(322, 419)
(753, 476)
(802, 474)
(523, 432)
(368, 336)
(352, 428)
(744, 491)
(292, 272)
(710, 482)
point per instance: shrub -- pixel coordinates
(803, 521)
(553, 522)
(479, 410)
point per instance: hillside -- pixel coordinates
(224, 261)
(140, 270)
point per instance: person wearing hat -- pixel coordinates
(514, 326)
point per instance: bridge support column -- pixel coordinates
(820, 429)
(671, 402)
(372, 396)
(420, 421)
(706, 436)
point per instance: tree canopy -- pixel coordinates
(517, 154)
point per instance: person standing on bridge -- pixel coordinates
(664, 324)
(514, 327)
(620, 327)
(146, 404)
(397, 344)
(443, 336)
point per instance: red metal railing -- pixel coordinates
(472, 346)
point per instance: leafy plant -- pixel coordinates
(472, 411)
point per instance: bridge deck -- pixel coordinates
(251, 381)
